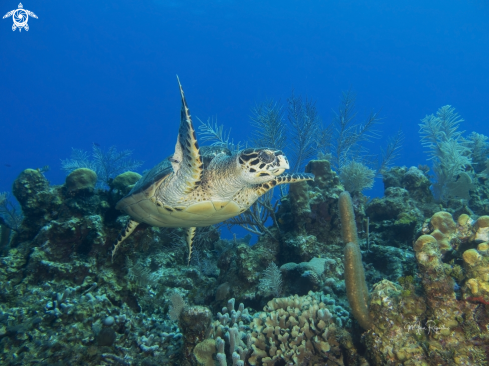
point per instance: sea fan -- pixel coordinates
(446, 148)
(268, 119)
(271, 281)
(107, 164)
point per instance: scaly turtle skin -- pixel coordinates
(182, 191)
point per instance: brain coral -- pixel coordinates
(81, 178)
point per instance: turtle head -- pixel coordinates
(262, 164)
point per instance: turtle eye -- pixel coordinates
(266, 157)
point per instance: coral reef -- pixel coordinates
(4, 235)
(58, 284)
(294, 329)
(81, 324)
(308, 276)
(397, 333)
(438, 324)
(63, 301)
(309, 216)
(406, 202)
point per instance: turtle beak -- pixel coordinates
(283, 164)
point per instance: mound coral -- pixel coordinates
(81, 178)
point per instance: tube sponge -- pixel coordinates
(347, 216)
(356, 286)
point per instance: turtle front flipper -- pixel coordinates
(190, 239)
(186, 161)
(263, 188)
(130, 226)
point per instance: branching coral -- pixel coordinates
(295, 329)
(232, 327)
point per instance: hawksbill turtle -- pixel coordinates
(191, 190)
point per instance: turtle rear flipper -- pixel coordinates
(186, 161)
(130, 227)
(190, 239)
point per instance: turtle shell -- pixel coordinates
(152, 176)
(208, 153)
(164, 168)
(143, 205)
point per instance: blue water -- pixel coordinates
(104, 72)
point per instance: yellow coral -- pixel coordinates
(428, 251)
(483, 247)
(471, 257)
(482, 228)
(442, 239)
(463, 219)
(422, 241)
(473, 285)
(482, 221)
(443, 221)
(203, 352)
(484, 287)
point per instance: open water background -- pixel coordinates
(104, 72)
